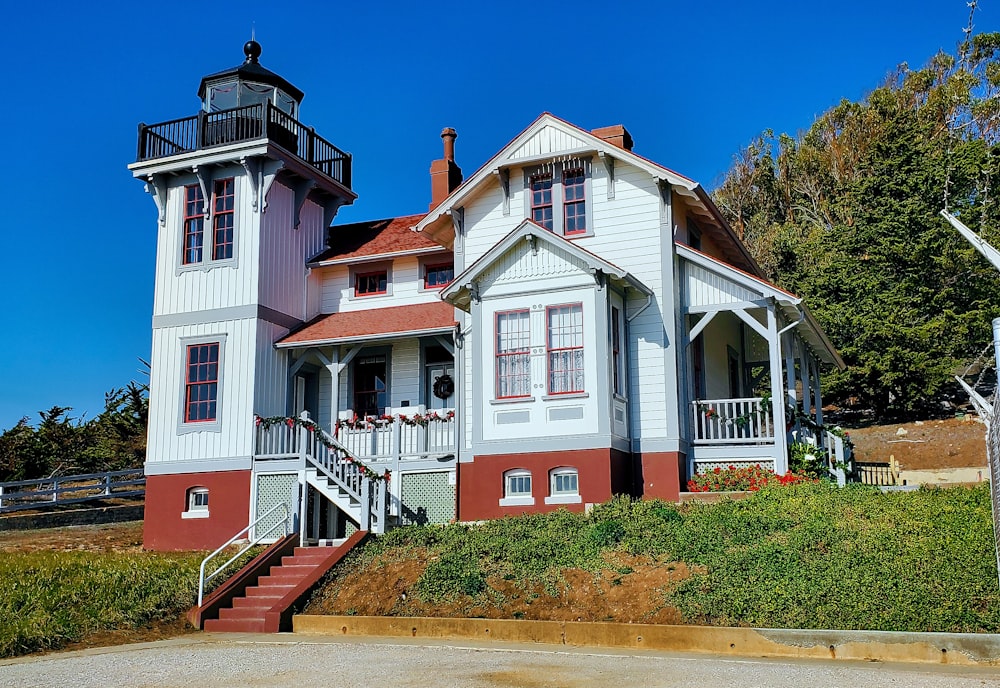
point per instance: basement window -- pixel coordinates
(517, 488)
(197, 503)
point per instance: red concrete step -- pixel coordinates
(256, 602)
(266, 592)
(276, 580)
(235, 626)
(236, 613)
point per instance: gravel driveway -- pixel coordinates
(224, 661)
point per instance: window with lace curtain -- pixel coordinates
(513, 354)
(564, 348)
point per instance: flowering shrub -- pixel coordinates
(747, 478)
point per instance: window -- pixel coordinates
(222, 219)
(616, 352)
(517, 488)
(197, 503)
(564, 486)
(437, 276)
(223, 222)
(694, 235)
(194, 224)
(564, 346)
(513, 354)
(201, 386)
(574, 202)
(556, 197)
(371, 393)
(371, 283)
(541, 200)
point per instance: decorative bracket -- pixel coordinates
(330, 210)
(156, 186)
(458, 224)
(600, 278)
(302, 190)
(268, 173)
(205, 182)
(533, 241)
(504, 176)
(252, 167)
(665, 196)
(609, 166)
(474, 292)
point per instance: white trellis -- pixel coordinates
(988, 412)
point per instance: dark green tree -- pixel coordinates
(846, 215)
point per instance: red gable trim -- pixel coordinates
(423, 318)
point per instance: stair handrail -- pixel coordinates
(286, 522)
(370, 507)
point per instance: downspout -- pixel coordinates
(649, 301)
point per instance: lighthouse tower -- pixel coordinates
(244, 194)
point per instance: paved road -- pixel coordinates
(219, 661)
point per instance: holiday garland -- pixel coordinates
(336, 448)
(369, 422)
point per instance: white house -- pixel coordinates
(571, 322)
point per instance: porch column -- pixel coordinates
(334, 367)
(817, 393)
(806, 372)
(777, 392)
(789, 347)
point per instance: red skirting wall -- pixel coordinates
(602, 473)
(660, 474)
(166, 499)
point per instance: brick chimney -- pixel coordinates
(445, 174)
(616, 135)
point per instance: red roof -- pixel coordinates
(375, 238)
(374, 322)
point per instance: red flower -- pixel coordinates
(290, 422)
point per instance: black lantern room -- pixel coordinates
(248, 84)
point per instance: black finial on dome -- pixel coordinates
(252, 50)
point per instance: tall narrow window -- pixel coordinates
(513, 354)
(201, 385)
(574, 202)
(222, 220)
(616, 351)
(541, 200)
(371, 393)
(194, 224)
(565, 348)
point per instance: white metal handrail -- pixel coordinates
(202, 578)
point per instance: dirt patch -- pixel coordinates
(111, 537)
(926, 445)
(631, 589)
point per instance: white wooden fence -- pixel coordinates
(69, 489)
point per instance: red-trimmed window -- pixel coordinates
(541, 200)
(371, 283)
(574, 202)
(564, 346)
(513, 354)
(616, 351)
(437, 276)
(222, 219)
(201, 385)
(194, 224)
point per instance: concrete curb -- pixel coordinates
(963, 649)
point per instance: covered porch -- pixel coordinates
(382, 384)
(752, 373)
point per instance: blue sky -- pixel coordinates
(693, 82)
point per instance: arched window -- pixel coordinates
(197, 503)
(517, 488)
(564, 486)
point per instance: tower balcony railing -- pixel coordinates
(240, 125)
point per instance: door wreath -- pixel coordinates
(444, 386)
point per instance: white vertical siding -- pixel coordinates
(206, 286)
(405, 375)
(168, 441)
(706, 288)
(285, 250)
(547, 140)
(270, 393)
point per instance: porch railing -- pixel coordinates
(239, 125)
(399, 439)
(732, 421)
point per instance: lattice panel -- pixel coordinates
(702, 467)
(427, 498)
(273, 489)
